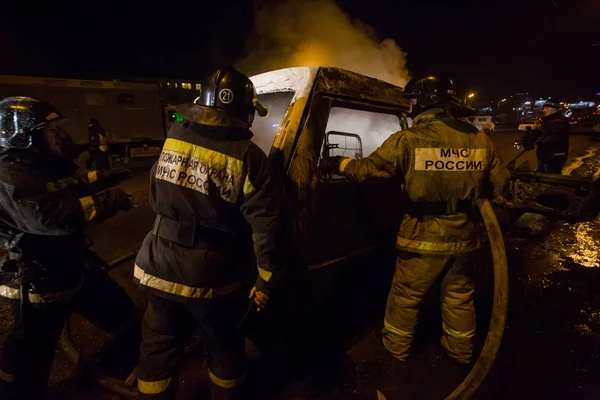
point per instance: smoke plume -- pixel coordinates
(319, 33)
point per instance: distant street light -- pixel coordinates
(498, 107)
(469, 96)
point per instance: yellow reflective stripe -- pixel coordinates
(155, 387)
(396, 331)
(89, 208)
(207, 155)
(6, 377)
(458, 334)
(225, 383)
(180, 289)
(248, 188)
(92, 176)
(344, 164)
(38, 298)
(264, 274)
(420, 245)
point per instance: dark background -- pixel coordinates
(493, 47)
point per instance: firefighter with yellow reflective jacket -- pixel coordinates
(446, 164)
(47, 270)
(216, 201)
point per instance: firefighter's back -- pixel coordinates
(196, 186)
(448, 164)
(450, 161)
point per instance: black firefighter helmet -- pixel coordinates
(430, 90)
(21, 117)
(229, 90)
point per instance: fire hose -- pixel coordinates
(121, 389)
(492, 342)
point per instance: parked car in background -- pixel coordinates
(531, 123)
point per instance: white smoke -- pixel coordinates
(318, 33)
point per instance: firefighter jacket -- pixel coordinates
(446, 163)
(554, 138)
(214, 195)
(97, 137)
(44, 207)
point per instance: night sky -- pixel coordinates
(493, 47)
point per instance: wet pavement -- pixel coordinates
(550, 349)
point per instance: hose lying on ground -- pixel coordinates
(123, 389)
(492, 342)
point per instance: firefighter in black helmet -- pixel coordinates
(216, 201)
(46, 268)
(446, 163)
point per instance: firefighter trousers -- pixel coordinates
(28, 351)
(167, 325)
(415, 274)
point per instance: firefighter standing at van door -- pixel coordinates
(46, 268)
(446, 163)
(552, 139)
(214, 194)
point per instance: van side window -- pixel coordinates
(358, 133)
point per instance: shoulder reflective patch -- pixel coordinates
(440, 159)
(201, 169)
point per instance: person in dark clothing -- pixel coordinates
(552, 139)
(46, 268)
(98, 147)
(214, 195)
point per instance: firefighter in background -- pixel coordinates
(46, 268)
(98, 147)
(446, 164)
(214, 194)
(552, 139)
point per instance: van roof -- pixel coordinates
(330, 81)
